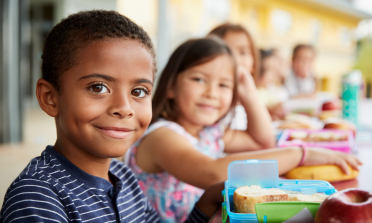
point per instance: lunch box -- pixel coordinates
(341, 146)
(264, 173)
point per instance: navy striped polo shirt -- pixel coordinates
(52, 189)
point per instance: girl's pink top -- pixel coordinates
(172, 198)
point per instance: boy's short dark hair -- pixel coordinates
(298, 47)
(75, 32)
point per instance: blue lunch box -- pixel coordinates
(264, 173)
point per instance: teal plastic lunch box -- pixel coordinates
(264, 173)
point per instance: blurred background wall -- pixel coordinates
(337, 28)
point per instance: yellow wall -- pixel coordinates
(334, 56)
(195, 18)
(142, 12)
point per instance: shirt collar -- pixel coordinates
(82, 176)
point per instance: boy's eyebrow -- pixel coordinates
(109, 78)
(106, 77)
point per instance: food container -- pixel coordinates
(264, 173)
(305, 106)
(342, 146)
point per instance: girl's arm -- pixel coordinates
(259, 134)
(165, 150)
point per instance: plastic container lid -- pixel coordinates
(353, 77)
(263, 173)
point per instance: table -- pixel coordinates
(364, 153)
(363, 181)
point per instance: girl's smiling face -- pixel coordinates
(105, 101)
(203, 93)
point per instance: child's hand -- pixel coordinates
(318, 156)
(212, 199)
(277, 112)
(246, 85)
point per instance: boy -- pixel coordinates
(300, 82)
(98, 69)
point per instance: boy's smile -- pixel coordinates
(104, 105)
(116, 132)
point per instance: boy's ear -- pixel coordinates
(47, 96)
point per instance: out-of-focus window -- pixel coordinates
(316, 29)
(344, 36)
(281, 20)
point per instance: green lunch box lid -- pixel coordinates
(283, 210)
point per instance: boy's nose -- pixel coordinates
(121, 106)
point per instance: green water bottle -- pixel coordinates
(351, 83)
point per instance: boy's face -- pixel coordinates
(105, 104)
(303, 62)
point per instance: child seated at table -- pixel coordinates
(270, 94)
(300, 83)
(243, 47)
(97, 76)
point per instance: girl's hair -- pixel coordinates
(221, 32)
(264, 54)
(192, 53)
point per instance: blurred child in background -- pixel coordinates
(241, 43)
(269, 92)
(247, 56)
(301, 81)
(282, 73)
(179, 155)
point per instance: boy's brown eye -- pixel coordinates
(139, 93)
(98, 88)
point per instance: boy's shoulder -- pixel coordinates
(37, 183)
(45, 168)
(50, 188)
(48, 170)
(42, 174)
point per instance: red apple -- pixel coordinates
(346, 206)
(331, 105)
(341, 125)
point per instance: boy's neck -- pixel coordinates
(87, 162)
